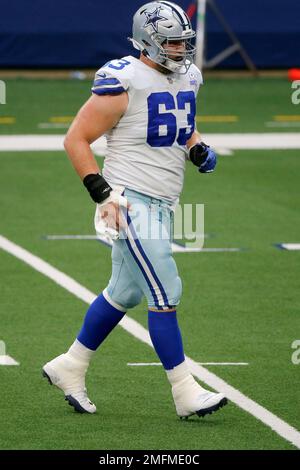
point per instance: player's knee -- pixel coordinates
(128, 298)
(171, 293)
(132, 300)
(175, 291)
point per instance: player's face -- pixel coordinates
(175, 49)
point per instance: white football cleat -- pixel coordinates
(190, 398)
(69, 375)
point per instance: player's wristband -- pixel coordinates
(98, 188)
(198, 153)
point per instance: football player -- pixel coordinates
(146, 107)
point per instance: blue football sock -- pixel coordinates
(166, 337)
(100, 320)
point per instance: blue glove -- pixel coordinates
(203, 157)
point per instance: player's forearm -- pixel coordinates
(81, 156)
(194, 139)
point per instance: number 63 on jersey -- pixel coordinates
(162, 126)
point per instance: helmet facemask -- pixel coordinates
(177, 59)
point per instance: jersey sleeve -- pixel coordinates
(107, 84)
(199, 79)
(111, 79)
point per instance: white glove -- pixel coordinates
(101, 225)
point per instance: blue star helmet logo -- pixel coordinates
(154, 18)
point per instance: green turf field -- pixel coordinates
(252, 101)
(236, 307)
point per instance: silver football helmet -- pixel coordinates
(163, 32)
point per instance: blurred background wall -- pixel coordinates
(87, 33)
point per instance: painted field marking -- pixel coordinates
(8, 361)
(287, 117)
(176, 247)
(254, 141)
(71, 237)
(53, 125)
(182, 249)
(284, 121)
(283, 429)
(288, 246)
(217, 118)
(141, 364)
(224, 142)
(274, 124)
(57, 122)
(35, 142)
(224, 152)
(5, 359)
(7, 120)
(95, 237)
(67, 119)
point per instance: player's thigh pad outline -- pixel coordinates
(150, 260)
(122, 288)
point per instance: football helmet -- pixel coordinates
(163, 32)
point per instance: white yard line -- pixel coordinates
(224, 142)
(71, 237)
(279, 426)
(49, 271)
(35, 142)
(289, 246)
(176, 247)
(266, 141)
(183, 249)
(95, 237)
(142, 364)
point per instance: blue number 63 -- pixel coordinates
(157, 119)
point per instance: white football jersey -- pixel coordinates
(146, 150)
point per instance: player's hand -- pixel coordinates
(203, 157)
(111, 214)
(111, 211)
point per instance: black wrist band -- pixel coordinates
(98, 188)
(198, 153)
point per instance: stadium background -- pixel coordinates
(73, 33)
(237, 306)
